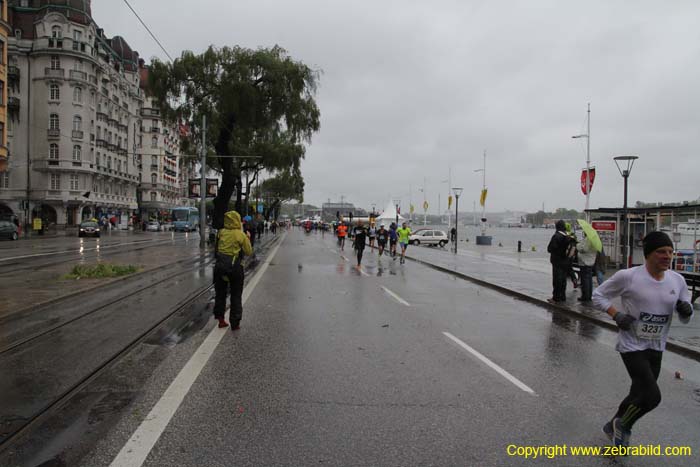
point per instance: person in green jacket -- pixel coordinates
(404, 232)
(231, 245)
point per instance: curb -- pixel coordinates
(671, 344)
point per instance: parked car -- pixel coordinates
(8, 229)
(153, 226)
(428, 237)
(89, 229)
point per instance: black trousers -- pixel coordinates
(586, 283)
(234, 286)
(559, 275)
(359, 255)
(643, 367)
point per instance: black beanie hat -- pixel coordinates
(655, 240)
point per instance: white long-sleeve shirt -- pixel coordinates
(650, 301)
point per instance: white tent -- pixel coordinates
(389, 216)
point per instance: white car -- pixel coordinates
(153, 226)
(428, 237)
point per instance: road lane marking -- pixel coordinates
(344, 258)
(396, 297)
(362, 271)
(137, 448)
(488, 362)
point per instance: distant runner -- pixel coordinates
(359, 242)
(650, 293)
(372, 233)
(342, 233)
(382, 237)
(393, 238)
(404, 232)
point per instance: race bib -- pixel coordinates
(650, 326)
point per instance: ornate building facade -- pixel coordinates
(85, 142)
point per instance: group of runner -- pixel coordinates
(381, 236)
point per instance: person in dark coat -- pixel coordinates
(557, 248)
(359, 241)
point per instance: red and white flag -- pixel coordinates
(584, 189)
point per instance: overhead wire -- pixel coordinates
(149, 30)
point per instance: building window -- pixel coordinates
(56, 32)
(74, 182)
(54, 92)
(4, 179)
(77, 123)
(77, 38)
(77, 153)
(55, 62)
(55, 182)
(154, 178)
(53, 122)
(92, 98)
(109, 162)
(154, 142)
(78, 95)
(154, 160)
(2, 46)
(53, 151)
(153, 196)
(2, 132)
(119, 166)
(97, 159)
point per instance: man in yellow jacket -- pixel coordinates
(231, 245)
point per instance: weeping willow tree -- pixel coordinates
(260, 111)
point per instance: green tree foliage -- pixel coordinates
(286, 186)
(259, 105)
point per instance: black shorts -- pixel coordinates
(392, 242)
(381, 242)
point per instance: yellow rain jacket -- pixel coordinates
(231, 239)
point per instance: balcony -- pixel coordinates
(77, 134)
(54, 72)
(93, 79)
(78, 75)
(150, 112)
(53, 133)
(13, 104)
(154, 129)
(13, 73)
(154, 166)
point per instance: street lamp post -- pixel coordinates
(457, 191)
(396, 209)
(624, 165)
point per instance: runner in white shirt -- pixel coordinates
(649, 293)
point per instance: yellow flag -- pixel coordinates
(412, 209)
(425, 206)
(449, 202)
(482, 200)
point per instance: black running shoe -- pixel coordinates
(621, 435)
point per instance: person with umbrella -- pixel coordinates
(587, 250)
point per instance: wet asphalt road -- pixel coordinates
(335, 366)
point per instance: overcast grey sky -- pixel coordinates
(411, 88)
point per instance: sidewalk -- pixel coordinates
(531, 280)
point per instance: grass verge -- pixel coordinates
(100, 271)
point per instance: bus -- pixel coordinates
(185, 219)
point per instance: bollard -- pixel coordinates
(533, 248)
(520, 246)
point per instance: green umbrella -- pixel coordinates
(591, 234)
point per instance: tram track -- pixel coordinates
(15, 426)
(113, 283)
(34, 336)
(14, 267)
(28, 423)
